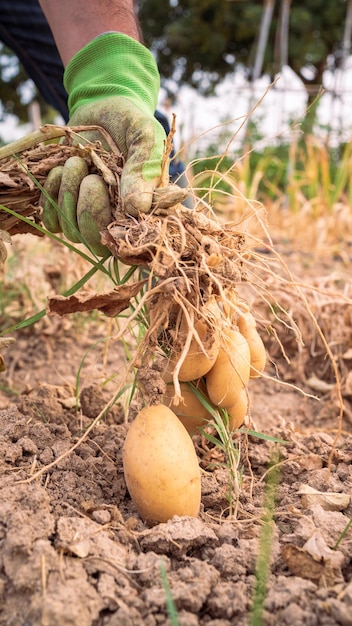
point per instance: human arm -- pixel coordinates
(112, 82)
(74, 23)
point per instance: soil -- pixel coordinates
(74, 550)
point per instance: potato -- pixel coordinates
(160, 466)
(247, 326)
(230, 372)
(197, 363)
(238, 411)
(190, 411)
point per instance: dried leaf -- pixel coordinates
(318, 549)
(7, 180)
(80, 548)
(111, 303)
(4, 236)
(300, 563)
(3, 254)
(4, 343)
(128, 253)
(69, 403)
(315, 561)
(328, 500)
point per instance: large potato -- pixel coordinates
(230, 372)
(160, 466)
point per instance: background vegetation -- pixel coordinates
(199, 43)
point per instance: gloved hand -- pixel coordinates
(113, 82)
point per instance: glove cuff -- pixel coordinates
(112, 64)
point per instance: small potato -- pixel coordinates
(161, 466)
(230, 373)
(247, 326)
(238, 411)
(198, 362)
(190, 411)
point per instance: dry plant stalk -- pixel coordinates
(189, 255)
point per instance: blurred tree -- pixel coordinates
(199, 42)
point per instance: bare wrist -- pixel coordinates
(74, 23)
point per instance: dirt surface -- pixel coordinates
(73, 548)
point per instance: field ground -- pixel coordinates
(73, 549)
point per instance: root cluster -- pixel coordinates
(186, 254)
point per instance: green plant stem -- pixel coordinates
(170, 605)
(343, 534)
(262, 570)
(46, 133)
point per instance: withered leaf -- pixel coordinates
(111, 303)
(315, 561)
(6, 341)
(328, 500)
(319, 385)
(7, 180)
(3, 254)
(300, 563)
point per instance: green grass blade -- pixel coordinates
(258, 435)
(61, 241)
(170, 604)
(343, 534)
(262, 569)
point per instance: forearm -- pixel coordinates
(76, 22)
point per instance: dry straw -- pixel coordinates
(190, 255)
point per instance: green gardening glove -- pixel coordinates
(113, 82)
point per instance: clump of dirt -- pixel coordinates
(74, 550)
